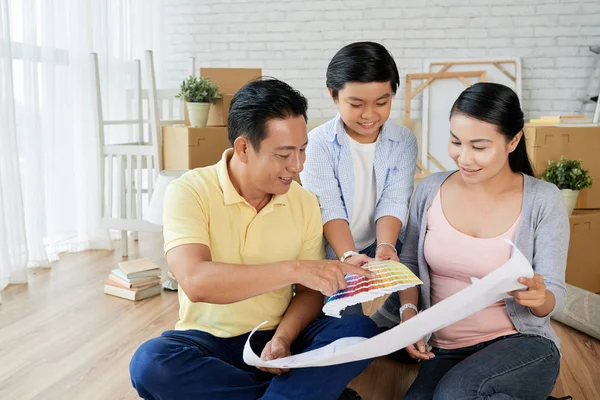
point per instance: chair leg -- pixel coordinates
(134, 208)
(124, 244)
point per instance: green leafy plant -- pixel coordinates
(567, 174)
(198, 90)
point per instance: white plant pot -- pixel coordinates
(570, 197)
(198, 113)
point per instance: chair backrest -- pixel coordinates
(164, 108)
(127, 170)
(170, 110)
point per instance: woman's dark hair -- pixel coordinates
(258, 102)
(361, 62)
(497, 105)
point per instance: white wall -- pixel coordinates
(294, 40)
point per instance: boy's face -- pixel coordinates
(364, 108)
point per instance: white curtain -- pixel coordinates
(13, 245)
(49, 166)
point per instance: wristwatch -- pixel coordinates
(348, 254)
(408, 305)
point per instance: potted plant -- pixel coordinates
(569, 177)
(198, 93)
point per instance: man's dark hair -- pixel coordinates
(363, 62)
(258, 102)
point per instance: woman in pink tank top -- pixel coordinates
(456, 231)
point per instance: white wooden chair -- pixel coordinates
(163, 110)
(128, 170)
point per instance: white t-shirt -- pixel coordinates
(362, 224)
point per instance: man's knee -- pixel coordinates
(147, 367)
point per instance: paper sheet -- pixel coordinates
(482, 293)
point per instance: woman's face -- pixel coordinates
(478, 149)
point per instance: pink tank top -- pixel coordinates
(455, 257)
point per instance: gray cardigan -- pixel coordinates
(542, 237)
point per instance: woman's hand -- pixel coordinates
(416, 350)
(537, 297)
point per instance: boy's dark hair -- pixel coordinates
(362, 62)
(258, 102)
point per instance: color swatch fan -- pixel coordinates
(390, 276)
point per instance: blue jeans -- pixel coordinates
(196, 365)
(391, 307)
(510, 367)
(370, 252)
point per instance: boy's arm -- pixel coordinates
(318, 176)
(399, 186)
(388, 229)
(339, 236)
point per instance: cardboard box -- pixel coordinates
(230, 80)
(583, 262)
(219, 112)
(185, 147)
(546, 143)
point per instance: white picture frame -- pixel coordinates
(434, 136)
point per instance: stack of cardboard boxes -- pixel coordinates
(546, 143)
(186, 147)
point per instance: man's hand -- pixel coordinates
(386, 253)
(416, 350)
(278, 347)
(326, 276)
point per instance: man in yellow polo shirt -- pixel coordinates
(238, 236)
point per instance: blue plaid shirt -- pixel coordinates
(329, 172)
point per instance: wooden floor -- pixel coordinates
(61, 337)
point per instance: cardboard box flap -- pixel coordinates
(219, 112)
(230, 80)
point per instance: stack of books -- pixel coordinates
(134, 280)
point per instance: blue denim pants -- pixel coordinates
(192, 364)
(510, 367)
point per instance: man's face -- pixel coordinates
(281, 155)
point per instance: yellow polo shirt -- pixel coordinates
(202, 206)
